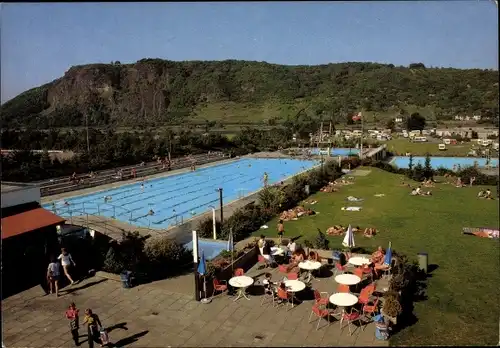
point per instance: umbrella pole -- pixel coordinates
(205, 299)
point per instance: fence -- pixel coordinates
(62, 185)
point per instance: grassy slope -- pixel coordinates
(402, 146)
(462, 308)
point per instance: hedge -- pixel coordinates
(275, 199)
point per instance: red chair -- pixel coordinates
(292, 276)
(343, 288)
(239, 272)
(359, 272)
(318, 300)
(218, 286)
(339, 269)
(351, 317)
(283, 296)
(369, 311)
(283, 268)
(366, 292)
(319, 313)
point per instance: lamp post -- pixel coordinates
(195, 267)
(214, 222)
(221, 206)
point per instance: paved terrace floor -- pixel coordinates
(153, 315)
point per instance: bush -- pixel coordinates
(308, 244)
(271, 198)
(245, 221)
(206, 229)
(164, 257)
(113, 263)
(481, 179)
(321, 242)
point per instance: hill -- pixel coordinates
(158, 92)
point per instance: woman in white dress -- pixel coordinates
(66, 261)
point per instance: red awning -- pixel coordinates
(28, 221)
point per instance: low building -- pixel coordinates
(29, 237)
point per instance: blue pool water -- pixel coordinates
(338, 151)
(176, 198)
(444, 162)
(210, 248)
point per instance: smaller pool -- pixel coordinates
(443, 162)
(210, 248)
(338, 151)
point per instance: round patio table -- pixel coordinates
(310, 266)
(241, 283)
(343, 299)
(347, 279)
(359, 261)
(294, 286)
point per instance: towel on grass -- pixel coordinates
(351, 208)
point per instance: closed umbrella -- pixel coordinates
(202, 270)
(348, 241)
(230, 245)
(388, 255)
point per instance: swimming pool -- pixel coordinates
(210, 248)
(176, 198)
(444, 162)
(338, 151)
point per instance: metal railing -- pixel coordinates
(62, 185)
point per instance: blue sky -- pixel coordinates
(39, 42)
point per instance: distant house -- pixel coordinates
(476, 117)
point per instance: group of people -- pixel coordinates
(485, 194)
(54, 270)
(417, 191)
(95, 331)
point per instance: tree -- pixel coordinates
(428, 172)
(415, 122)
(410, 163)
(391, 124)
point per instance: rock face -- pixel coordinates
(159, 91)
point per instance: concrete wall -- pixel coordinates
(16, 195)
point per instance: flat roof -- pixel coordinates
(8, 186)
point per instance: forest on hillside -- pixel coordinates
(161, 92)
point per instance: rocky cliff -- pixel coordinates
(160, 91)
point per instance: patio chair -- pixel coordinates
(343, 288)
(319, 300)
(292, 276)
(239, 272)
(283, 269)
(269, 294)
(366, 292)
(283, 297)
(319, 313)
(218, 286)
(369, 310)
(339, 269)
(350, 318)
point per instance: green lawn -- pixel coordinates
(462, 306)
(402, 145)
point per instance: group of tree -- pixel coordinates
(110, 149)
(155, 91)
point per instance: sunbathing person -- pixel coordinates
(428, 183)
(369, 232)
(313, 256)
(297, 257)
(487, 194)
(378, 255)
(335, 230)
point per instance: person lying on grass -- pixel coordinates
(485, 194)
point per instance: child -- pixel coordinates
(104, 337)
(72, 316)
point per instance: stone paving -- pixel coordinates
(151, 316)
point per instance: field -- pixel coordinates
(402, 145)
(462, 305)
